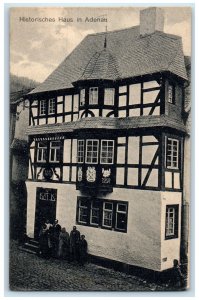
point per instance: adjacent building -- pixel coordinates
(106, 144)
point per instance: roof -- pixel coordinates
(133, 54)
(101, 66)
(107, 123)
(16, 97)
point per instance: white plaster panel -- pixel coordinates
(34, 111)
(151, 84)
(59, 99)
(150, 97)
(148, 153)
(119, 175)
(60, 108)
(95, 112)
(59, 119)
(149, 139)
(66, 172)
(67, 150)
(42, 121)
(153, 178)
(51, 120)
(122, 113)
(168, 179)
(32, 152)
(134, 112)
(68, 118)
(132, 176)
(76, 102)
(133, 150)
(123, 89)
(122, 100)
(68, 103)
(105, 112)
(73, 177)
(176, 180)
(121, 154)
(74, 152)
(134, 93)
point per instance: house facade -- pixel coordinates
(106, 144)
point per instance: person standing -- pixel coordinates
(55, 230)
(74, 243)
(83, 245)
(44, 249)
(64, 245)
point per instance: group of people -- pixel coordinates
(55, 241)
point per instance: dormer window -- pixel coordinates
(51, 106)
(109, 94)
(171, 94)
(82, 97)
(93, 95)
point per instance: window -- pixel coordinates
(42, 107)
(92, 151)
(171, 228)
(107, 150)
(171, 94)
(102, 213)
(83, 211)
(80, 151)
(41, 152)
(51, 106)
(93, 95)
(109, 96)
(107, 214)
(82, 97)
(95, 212)
(172, 153)
(121, 215)
(54, 151)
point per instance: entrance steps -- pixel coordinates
(31, 246)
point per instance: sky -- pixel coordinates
(37, 48)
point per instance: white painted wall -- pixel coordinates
(140, 246)
(170, 248)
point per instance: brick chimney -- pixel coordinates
(151, 19)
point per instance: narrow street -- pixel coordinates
(29, 272)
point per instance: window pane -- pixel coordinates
(92, 151)
(109, 96)
(121, 221)
(93, 95)
(107, 149)
(172, 153)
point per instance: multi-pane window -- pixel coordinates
(51, 106)
(172, 153)
(109, 94)
(107, 214)
(121, 215)
(54, 151)
(93, 95)
(95, 212)
(107, 150)
(83, 211)
(92, 147)
(42, 107)
(41, 152)
(171, 229)
(80, 151)
(102, 213)
(82, 97)
(171, 94)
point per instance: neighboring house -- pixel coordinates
(19, 121)
(106, 140)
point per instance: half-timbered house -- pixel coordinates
(106, 138)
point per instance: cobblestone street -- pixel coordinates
(29, 272)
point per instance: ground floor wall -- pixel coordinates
(142, 245)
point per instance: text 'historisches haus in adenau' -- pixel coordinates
(106, 143)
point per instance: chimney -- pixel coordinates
(151, 19)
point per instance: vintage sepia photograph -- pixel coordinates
(100, 135)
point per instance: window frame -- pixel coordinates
(174, 234)
(82, 97)
(42, 107)
(50, 107)
(171, 87)
(56, 148)
(43, 150)
(107, 163)
(78, 156)
(171, 166)
(91, 93)
(121, 212)
(100, 207)
(86, 156)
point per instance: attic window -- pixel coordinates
(42, 107)
(82, 97)
(51, 106)
(93, 95)
(171, 94)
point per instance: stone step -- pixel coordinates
(27, 250)
(31, 247)
(33, 242)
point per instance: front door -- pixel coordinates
(45, 208)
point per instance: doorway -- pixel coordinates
(46, 200)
